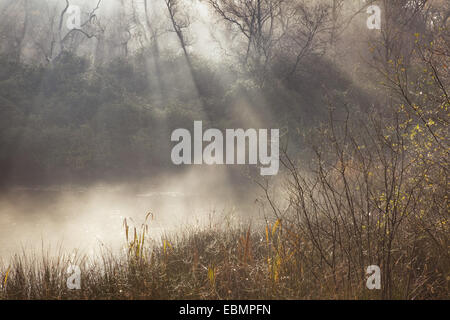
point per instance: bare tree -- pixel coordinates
(282, 30)
(256, 21)
(154, 42)
(180, 22)
(15, 20)
(59, 40)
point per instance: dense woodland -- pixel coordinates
(100, 101)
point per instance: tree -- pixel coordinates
(275, 30)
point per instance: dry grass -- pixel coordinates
(216, 262)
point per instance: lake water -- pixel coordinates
(86, 218)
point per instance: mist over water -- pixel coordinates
(87, 218)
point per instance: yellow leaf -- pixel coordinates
(6, 278)
(275, 226)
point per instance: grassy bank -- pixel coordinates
(216, 262)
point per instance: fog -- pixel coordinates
(87, 219)
(54, 194)
(115, 111)
(86, 114)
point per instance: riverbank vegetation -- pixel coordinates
(364, 157)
